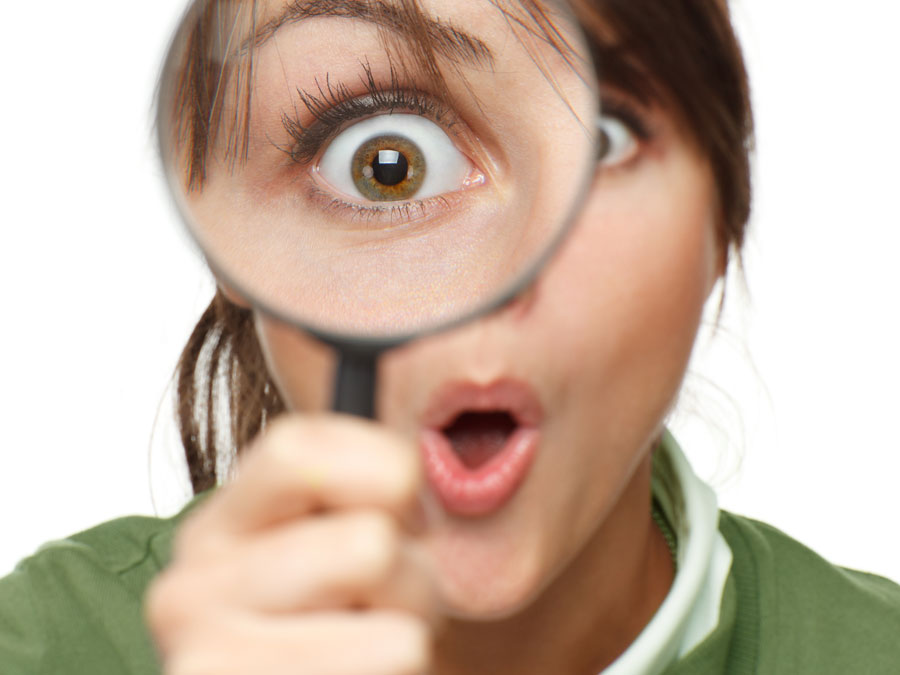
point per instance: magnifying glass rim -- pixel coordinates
(374, 342)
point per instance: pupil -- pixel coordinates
(389, 167)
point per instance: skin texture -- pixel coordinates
(564, 576)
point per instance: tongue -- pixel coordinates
(477, 437)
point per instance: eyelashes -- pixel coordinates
(390, 116)
(334, 105)
(627, 114)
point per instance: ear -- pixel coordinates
(232, 295)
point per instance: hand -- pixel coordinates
(303, 564)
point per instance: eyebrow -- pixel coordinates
(449, 41)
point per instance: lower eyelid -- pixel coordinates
(390, 213)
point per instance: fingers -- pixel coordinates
(302, 564)
(349, 559)
(301, 466)
(324, 643)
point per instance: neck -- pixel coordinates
(588, 615)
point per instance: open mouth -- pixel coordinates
(477, 437)
(478, 442)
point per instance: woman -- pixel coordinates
(574, 568)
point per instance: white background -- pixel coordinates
(100, 288)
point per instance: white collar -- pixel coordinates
(690, 611)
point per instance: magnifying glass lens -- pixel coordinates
(379, 175)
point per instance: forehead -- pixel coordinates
(273, 13)
(461, 30)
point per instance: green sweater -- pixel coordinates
(75, 608)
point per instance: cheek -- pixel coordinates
(632, 281)
(620, 306)
(611, 330)
(300, 366)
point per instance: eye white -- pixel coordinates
(446, 168)
(617, 142)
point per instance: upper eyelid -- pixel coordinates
(309, 139)
(629, 114)
(333, 105)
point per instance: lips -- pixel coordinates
(479, 442)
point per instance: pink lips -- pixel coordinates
(483, 490)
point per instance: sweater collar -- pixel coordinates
(690, 611)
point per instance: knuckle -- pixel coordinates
(294, 446)
(319, 447)
(284, 428)
(374, 539)
(281, 442)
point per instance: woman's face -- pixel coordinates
(602, 341)
(568, 386)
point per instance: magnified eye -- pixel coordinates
(394, 158)
(616, 142)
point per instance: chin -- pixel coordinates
(482, 577)
(482, 604)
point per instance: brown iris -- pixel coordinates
(388, 168)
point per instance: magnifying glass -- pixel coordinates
(372, 171)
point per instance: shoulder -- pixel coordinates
(129, 549)
(117, 546)
(803, 575)
(808, 615)
(76, 604)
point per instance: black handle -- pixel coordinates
(354, 383)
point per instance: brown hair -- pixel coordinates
(682, 54)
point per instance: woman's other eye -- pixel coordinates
(395, 157)
(616, 142)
